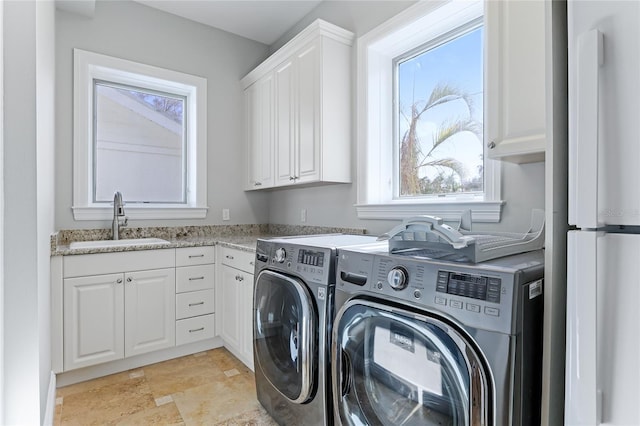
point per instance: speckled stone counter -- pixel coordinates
(241, 237)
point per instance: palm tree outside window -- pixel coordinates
(439, 124)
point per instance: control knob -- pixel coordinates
(281, 255)
(398, 278)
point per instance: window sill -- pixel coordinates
(140, 212)
(481, 211)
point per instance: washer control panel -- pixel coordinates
(478, 295)
(468, 285)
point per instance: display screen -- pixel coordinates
(310, 257)
(472, 286)
(467, 286)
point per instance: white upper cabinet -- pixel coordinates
(308, 114)
(515, 80)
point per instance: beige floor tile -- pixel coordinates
(166, 415)
(57, 415)
(226, 361)
(216, 402)
(107, 403)
(178, 375)
(93, 384)
(191, 390)
(257, 417)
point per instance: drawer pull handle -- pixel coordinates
(196, 278)
(239, 278)
(228, 256)
(119, 280)
(191, 256)
(196, 304)
(196, 330)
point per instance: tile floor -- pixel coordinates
(207, 388)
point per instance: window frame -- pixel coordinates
(90, 66)
(377, 50)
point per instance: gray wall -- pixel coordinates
(28, 134)
(333, 205)
(135, 32)
(357, 16)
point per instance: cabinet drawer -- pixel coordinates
(192, 278)
(243, 260)
(194, 303)
(194, 329)
(188, 256)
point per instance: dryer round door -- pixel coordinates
(285, 334)
(392, 366)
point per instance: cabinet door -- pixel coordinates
(515, 80)
(260, 128)
(307, 146)
(149, 310)
(230, 296)
(284, 123)
(93, 320)
(246, 311)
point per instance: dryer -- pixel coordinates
(293, 308)
(419, 341)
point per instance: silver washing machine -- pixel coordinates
(292, 310)
(426, 342)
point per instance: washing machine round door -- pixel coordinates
(393, 367)
(285, 336)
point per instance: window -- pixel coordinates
(140, 130)
(420, 123)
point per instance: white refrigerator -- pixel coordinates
(602, 376)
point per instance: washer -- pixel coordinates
(293, 308)
(420, 341)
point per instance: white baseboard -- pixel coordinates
(51, 402)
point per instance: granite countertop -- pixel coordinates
(240, 237)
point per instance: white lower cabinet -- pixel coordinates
(149, 311)
(236, 303)
(107, 307)
(195, 294)
(93, 320)
(112, 316)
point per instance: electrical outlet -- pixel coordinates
(225, 214)
(303, 215)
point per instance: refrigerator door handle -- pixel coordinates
(583, 400)
(584, 139)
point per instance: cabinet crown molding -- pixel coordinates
(317, 28)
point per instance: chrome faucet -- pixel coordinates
(119, 219)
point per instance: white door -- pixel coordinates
(604, 100)
(260, 128)
(307, 147)
(284, 123)
(93, 320)
(246, 311)
(230, 295)
(149, 310)
(603, 337)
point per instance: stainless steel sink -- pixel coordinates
(78, 245)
